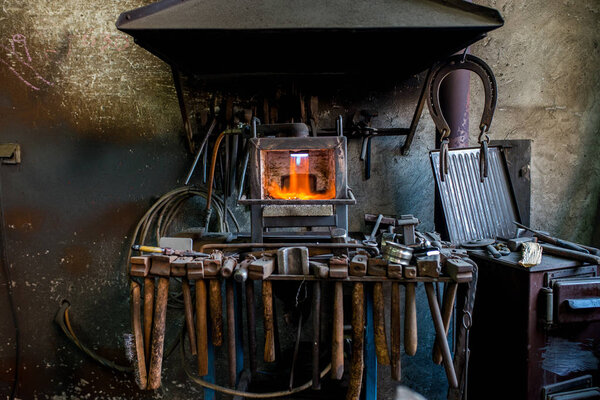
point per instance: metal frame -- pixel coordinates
(256, 202)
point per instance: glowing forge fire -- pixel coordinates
(299, 183)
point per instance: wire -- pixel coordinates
(233, 392)
(11, 302)
(63, 321)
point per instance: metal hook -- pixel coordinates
(444, 159)
(483, 159)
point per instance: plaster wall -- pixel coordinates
(101, 133)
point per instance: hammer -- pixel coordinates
(161, 267)
(337, 342)
(395, 332)
(358, 330)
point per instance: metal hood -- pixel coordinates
(396, 37)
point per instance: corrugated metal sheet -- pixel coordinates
(474, 209)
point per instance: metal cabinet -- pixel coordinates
(535, 329)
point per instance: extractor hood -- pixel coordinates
(386, 37)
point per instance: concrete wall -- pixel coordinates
(100, 128)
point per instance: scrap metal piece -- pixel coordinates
(292, 261)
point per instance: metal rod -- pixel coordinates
(199, 153)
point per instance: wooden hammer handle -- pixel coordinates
(410, 320)
(216, 311)
(447, 307)
(337, 342)
(440, 334)
(395, 332)
(269, 328)
(358, 331)
(231, 350)
(138, 337)
(201, 327)
(189, 314)
(148, 313)
(158, 334)
(381, 347)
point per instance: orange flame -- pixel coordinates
(299, 184)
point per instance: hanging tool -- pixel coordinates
(441, 335)
(316, 310)
(337, 342)
(161, 267)
(140, 364)
(395, 332)
(251, 321)
(358, 331)
(201, 328)
(490, 88)
(215, 302)
(410, 320)
(447, 308)
(231, 350)
(379, 325)
(269, 328)
(559, 242)
(140, 268)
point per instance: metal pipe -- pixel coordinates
(275, 245)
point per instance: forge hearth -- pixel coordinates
(297, 180)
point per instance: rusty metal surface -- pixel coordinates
(428, 30)
(475, 210)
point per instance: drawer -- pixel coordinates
(576, 300)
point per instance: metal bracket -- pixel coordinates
(10, 153)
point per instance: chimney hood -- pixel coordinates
(387, 37)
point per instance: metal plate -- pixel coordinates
(475, 210)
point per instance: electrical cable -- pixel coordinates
(63, 321)
(11, 302)
(233, 392)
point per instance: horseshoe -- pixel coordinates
(440, 72)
